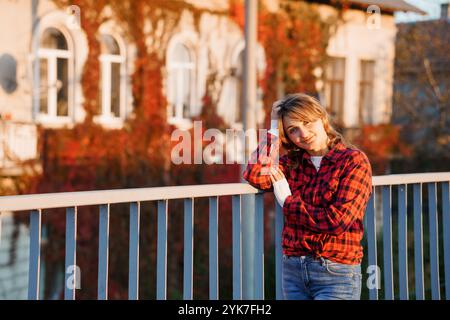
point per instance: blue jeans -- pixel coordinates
(307, 278)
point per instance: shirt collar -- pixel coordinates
(331, 155)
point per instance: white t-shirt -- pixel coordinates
(316, 160)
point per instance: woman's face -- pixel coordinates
(310, 136)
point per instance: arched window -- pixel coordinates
(54, 73)
(112, 80)
(179, 82)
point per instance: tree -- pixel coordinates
(421, 93)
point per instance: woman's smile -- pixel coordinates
(308, 140)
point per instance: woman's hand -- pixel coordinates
(276, 174)
(275, 108)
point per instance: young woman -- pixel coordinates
(323, 185)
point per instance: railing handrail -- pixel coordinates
(396, 179)
(98, 197)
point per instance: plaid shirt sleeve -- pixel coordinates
(265, 156)
(350, 201)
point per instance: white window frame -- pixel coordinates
(106, 61)
(175, 113)
(366, 116)
(330, 82)
(51, 55)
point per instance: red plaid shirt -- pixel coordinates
(324, 215)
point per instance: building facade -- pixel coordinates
(42, 62)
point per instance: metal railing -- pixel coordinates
(103, 199)
(417, 181)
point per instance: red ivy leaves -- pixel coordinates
(301, 38)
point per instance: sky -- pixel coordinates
(432, 7)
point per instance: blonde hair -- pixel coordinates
(303, 107)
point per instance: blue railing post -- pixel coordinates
(387, 243)
(133, 263)
(35, 255)
(446, 223)
(237, 248)
(259, 247)
(248, 246)
(161, 263)
(213, 248)
(434, 242)
(372, 244)
(279, 222)
(418, 242)
(403, 242)
(103, 253)
(71, 270)
(188, 248)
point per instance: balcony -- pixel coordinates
(396, 199)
